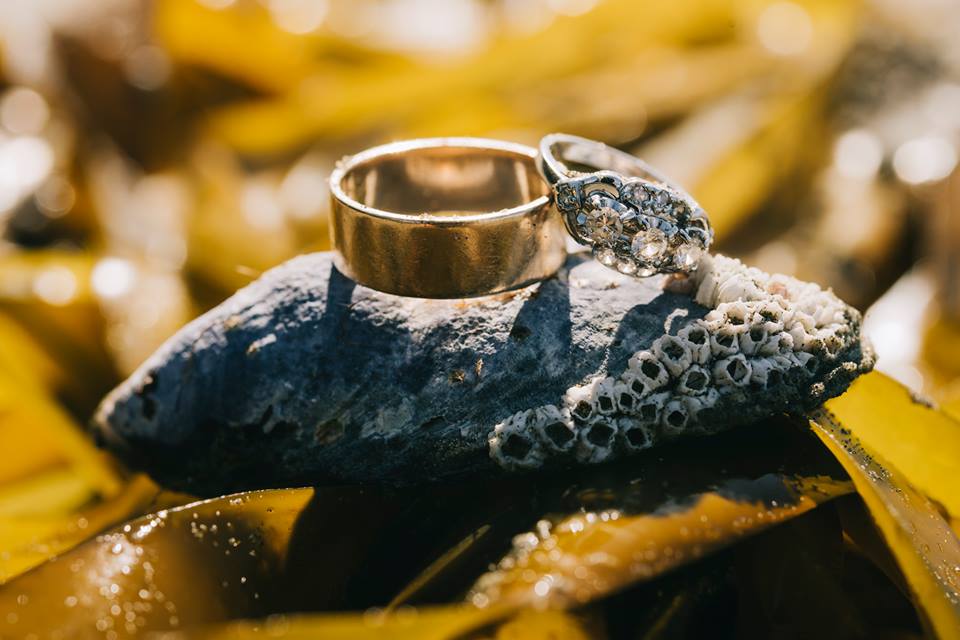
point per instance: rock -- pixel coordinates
(305, 377)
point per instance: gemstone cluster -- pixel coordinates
(635, 226)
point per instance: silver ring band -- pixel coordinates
(636, 220)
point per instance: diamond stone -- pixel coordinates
(606, 257)
(603, 225)
(627, 266)
(648, 245)
(687, 256)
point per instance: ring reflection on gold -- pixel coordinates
(636, 221)
(444, 218)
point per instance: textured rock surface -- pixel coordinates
(304, 377)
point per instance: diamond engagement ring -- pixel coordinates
(635, 220)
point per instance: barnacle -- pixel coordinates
(732, 371)
(674, 353)
(647, 367)
(636, 385)
(676, 415)
(513, 446)
(770, 315)
(693, 381)
(753, 339)
(604, 396)
(781, 342)
(553, 427)
(764, 371)
(736, 313)
(579, 401)
(725, 341)
(651, 407)
(761, 332)
(596, 440)
(627, 397)
(700, 406)
(633, 435)
(697, 339)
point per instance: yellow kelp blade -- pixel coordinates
(438, 623)
(921, 540)
(219, 39)
(657, 510)
(352, 100)
(29, 539)
(589, 555)
(49, 293)
(208, 562)
(24, 360)
(35, 433)
(221, 237)
(491, 91)
(761, 162)
(429, 623)
(50, 493)
(548, 625)
(919, 441)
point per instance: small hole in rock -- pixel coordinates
(520, 332)
(516, 447)
(148, 407)
(638, 387)
(757, 334)
(600, 434)
(558, 433)
(811, 365)
(605, 402)
(432, 422)
(735, 319)
(697, 336)
(626, 400)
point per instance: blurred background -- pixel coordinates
(155, 156)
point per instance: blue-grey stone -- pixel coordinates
(306, 378)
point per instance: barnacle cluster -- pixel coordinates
(763, 332)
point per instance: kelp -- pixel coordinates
(906, 431)
(920, 538)
(264, 553)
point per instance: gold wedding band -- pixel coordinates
(444, 218)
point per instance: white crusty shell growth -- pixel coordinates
(762, 331)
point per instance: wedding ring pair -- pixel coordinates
(461, 217)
